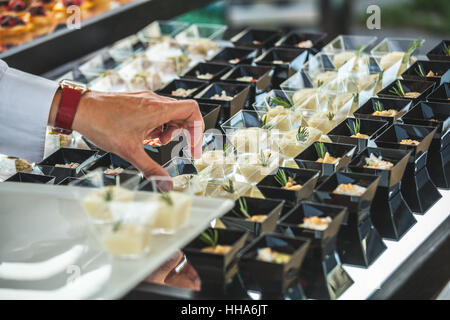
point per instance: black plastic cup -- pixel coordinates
(307, 159)
(234, 56)
(420, 69)
(420, 86)
(293, 38)
(216, 69)
(440, 94)
(256, 38)
(31, 178)
(439, 52)
(367, 109)
(162, 154)
(390, 214)
(321, 274)
(418, 190)
(210, 113)
(186, 84)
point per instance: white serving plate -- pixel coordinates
(43, 222)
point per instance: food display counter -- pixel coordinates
(325, 169)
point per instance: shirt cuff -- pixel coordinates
(24, 109)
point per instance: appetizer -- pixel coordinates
(127, 240)
(250, 140)
(40, 19)
(247, 79)
(323, 78)
(113, 171)
(379, 111)
(349, 189)
(243, 212)
(304, 44)
(190, 184)
(13, 30)
(201, 48)
(203, 76)
(144, 81)
(278, 62)
(21, 164)
(324, 156)
(96, 202)
(153, 142)
(355, 130)
(109, 81)
(374, 162)
(174, 209)
(323, 121)
(287, 183)
(254, 166)
(410, 142)
(269, 255)
(316, 223)
(72, 165)
(181, 92)
(302, 95)
(295, 141)
(65, 140)
(234, 61)
(211, 238)
(222, 96)
(213, 157)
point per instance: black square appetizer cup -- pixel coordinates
(228, 107)
(271, 187)
(216, 270)
(427, 70)
(359, 243)
(390, 214)
(308, 158)
(206, 71)
(256, 38)
(258, 77)
(299, 39)
(170, 89)
(162, 154)
(367, 110)
(418, 190)
(285, 60)
(347, 132)
(234, 56)
(401, 89)
(273, 280)
(440, 52)
(440, 94)
(321, 275)
(247, 211)
(65, 156)
(434, 114)
(31, 178)
(210, 113)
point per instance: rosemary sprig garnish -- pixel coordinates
(355, 97)
(302, 134)
(378, 106)
(399, 91)
(414, 45)
(356, 127)
(281, 178)
(264, 124)
(320, 149)
(280, 101)
(109, 195)
(165, 196)
(229, 187)
(331, 115)
(210, 237)
(319, 83)
(419, 71)
(263, 159)
(116, 226)
(446, 49)
(358, 50)
(243, 209)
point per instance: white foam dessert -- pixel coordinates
(375, 162)
(96, 203)
(173, 210)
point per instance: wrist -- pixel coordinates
(86, 101)
(54, 108)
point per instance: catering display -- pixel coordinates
(327, 150)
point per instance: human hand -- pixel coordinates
(119, 123)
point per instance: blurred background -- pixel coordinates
(429, 19)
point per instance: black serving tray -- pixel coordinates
(227, 54)
(271, 208)
(366, 110)
(271, 189)
(228, 108)
(261, 74)
(216, 69)
(434, 114)
(293, 60)
(390, 214)
(272, 280)
(413, 72)
(31, 178)
(419, 191)
(294, 37)
(321, 275)
(184, 84)
(342, 134)
(256, 38)
(216, 270)
(210, 113)
(65, 156)
(438, 52)
(359, 243)
(440, 94)
(163, 153)
(307, 158)
(421, 86)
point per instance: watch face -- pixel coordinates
(73, 84)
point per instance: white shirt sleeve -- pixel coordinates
(25, 102)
